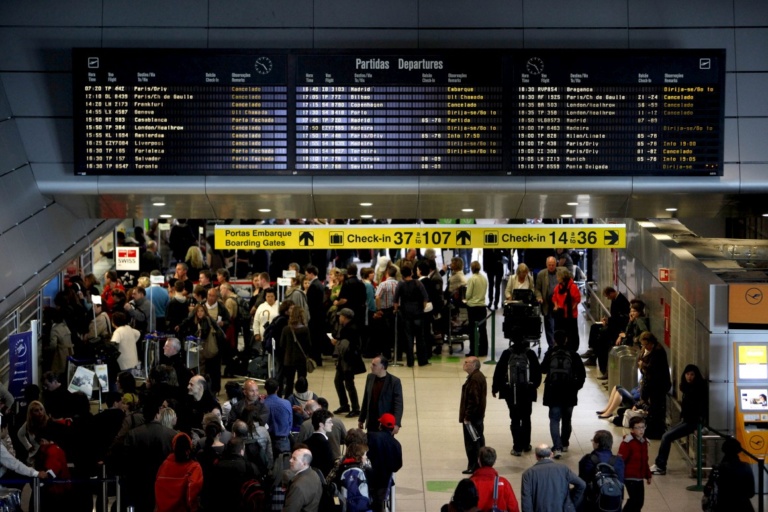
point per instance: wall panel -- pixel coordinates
(686, 38)
(681, 13)
(365, 13)
(51, 13)
(752, 139)
(471, 38)
(261, 13)
(366, 38)
(751, 90)
(43, 49)
(47, 139)
(39, 94)
(750, 49)
(19, 197)
(464, 14)
(12, 153)
(562, 13)
(260, 38)
(576, 38)
(155, 37)
(151, 13)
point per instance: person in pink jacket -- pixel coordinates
(179, 479)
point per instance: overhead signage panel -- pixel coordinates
(524, 236)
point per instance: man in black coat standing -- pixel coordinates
(386, 456)
(611, 327)
(383, 394)
(315, 299)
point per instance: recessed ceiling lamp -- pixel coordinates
(572, 204)
(366, 204)
(158, 204)
(166, 216)
(366, 216)
(467, 210)
(264, 210)
(566, 215)
(671, 209)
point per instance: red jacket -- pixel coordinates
(178, 486)
(483, 478)
(560, 299)
(635, 455)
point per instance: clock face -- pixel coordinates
(534, 66)
(263, 65)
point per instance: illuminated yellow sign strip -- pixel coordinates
(524, 236)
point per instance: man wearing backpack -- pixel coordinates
(516, 379)
(565, 377)
(605, 485)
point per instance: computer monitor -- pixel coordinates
(753, 399)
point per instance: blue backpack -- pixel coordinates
(353, 492)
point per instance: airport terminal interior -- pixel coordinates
(678, 86)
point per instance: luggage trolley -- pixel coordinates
(192, 353)
(523, 314)
(459, 328)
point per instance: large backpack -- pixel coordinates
(253, 498)
(519, 371)
(353, 492)
(560, 368)
(243, 311)
(605, 491)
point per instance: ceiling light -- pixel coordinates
(158, 204)
(264, 210)
(366, 204)
(671, 209)
(467, 210)
(572, 204)
(765, 215)
(566, 215)
(366, 216)
(166, 216)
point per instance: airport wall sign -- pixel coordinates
(492, 236)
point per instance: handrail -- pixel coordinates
(606, 310)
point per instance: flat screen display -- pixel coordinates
(399, 112)
(753, 361)
(754, 399)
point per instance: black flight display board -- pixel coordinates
(399, 112)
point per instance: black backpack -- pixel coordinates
(560, 368)
(519, 370)
(605, 491)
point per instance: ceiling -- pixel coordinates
(402, 197)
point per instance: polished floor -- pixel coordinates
(433, 448)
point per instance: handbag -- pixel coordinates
(211, 345)
(428, 307)
(311, 364)
(629, 414)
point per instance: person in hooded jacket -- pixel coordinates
(694, 408)
(179, 479)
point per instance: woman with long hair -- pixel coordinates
(352, 471)
(194, 259)
(296, 346)
(522, 280)
(693, 410)
(201, 325)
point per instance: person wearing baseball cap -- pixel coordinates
(348, 348)
(386, 456)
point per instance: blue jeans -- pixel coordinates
(561, 436)
(549, 329)
(682, 429)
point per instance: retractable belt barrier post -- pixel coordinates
(493, 338)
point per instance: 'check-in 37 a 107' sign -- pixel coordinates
(524, 236)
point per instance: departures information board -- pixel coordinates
(399, 112)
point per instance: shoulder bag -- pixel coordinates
(311, 364)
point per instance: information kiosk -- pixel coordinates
(751, 389)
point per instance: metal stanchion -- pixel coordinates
(493, 339)
(699, 462)
(36, 494)
(104, 488)
(395, 354)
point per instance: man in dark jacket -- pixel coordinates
(347, 346)
(565, 377)
(386, 456)
(472, 411)
(315, 299)
(383, 393)
(602, 444)
(516, 362)
(612, 326)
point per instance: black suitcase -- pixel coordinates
(258, 368)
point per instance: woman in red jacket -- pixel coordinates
(566, 298)
(179, 479)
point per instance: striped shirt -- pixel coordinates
(386, 293)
